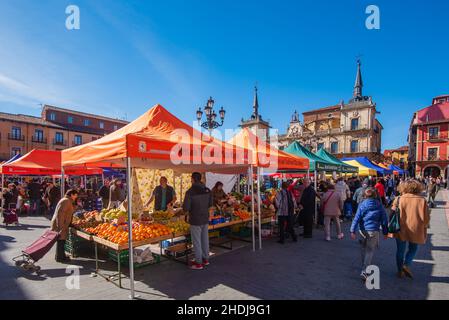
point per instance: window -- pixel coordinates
(86, 122)
(115, 127)
(16, 133)
(432, 153)
(59, 138)
(354, 146)
(78, 140)
(320, 146)
(38, 135)
(334, 147)
(434, 132)
(52, 116)
(15, 150)
(70, 119)
(101, 125)
(355, 124)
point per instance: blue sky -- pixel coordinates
(130, 55)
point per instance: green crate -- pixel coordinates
(123, 257)
(244, 232)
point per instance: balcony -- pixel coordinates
(16, 137)
(38, 140)
(357, 128)
(59, 143)
(437, 137)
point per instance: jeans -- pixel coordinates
(403, 258)
(285, 224)
(200, 240)
(35, 206)
(369, 243)
(327, 225)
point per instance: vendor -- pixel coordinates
(163, 195)
(219, 196)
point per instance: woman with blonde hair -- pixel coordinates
(414, 218)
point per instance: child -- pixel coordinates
(370, 217)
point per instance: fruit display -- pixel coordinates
(162, 215)
(178, 226)
(242, 214)
(119, 234)
(111, 214)
(86, 220)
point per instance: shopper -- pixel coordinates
(53, 195)
(285, 205)
(359, 194)
(61, 221)
(414, 221)
(431, 192)
(115, 194)
(380, 189)
(197, 202)
(308, 204)
(332, 207)
(35, 195)
(163, 195)
(369, 219)
(103, 193)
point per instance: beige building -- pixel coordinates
(346, 129)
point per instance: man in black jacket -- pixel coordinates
(104, 194)
(197, 201)
(35, 194)
(307, 202)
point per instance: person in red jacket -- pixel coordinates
(380, 188)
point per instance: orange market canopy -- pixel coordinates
(266, 156)
(159, 140)
(43, 163)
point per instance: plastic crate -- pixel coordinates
(244, 232)
(214, 234)
(123, 258)
(76, 246)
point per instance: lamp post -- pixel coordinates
(211, 116)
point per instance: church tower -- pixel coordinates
(256, 124)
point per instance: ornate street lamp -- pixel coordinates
(211, 116)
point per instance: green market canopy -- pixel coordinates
(343, 166)
(316, 163)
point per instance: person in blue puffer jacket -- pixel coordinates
(370, 218)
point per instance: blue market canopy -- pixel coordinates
(316, 163)
(395, 168)
(364, 161)
(323, 154)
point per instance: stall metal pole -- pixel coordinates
(62, 183)
(316, 191)
(250, 191)
(1, 191)
(130, 226)
(258, 207)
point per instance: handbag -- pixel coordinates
(394, 225)
(325, 202)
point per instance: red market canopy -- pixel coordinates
(159, 140)
(43, 163)
(266, 156)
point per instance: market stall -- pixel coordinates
(156, 140)
(344, 167)
(268, 159)
(363, 171)
(364, 161)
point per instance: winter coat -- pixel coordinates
(342, 188)
(333, 203)
(359, 195)
(62, 217)
(414, 218)
(197, 201)
(285, 203)
(370, 216)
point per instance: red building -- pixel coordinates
(429, 139)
